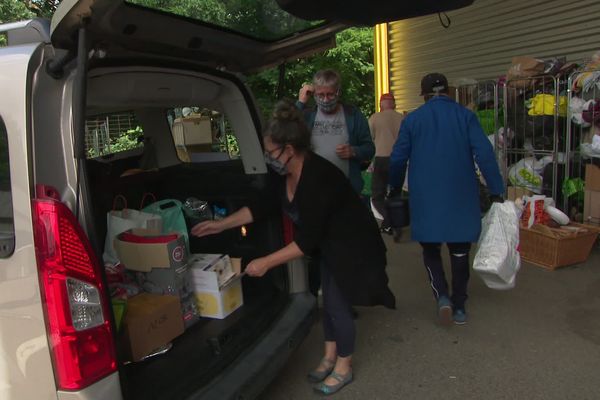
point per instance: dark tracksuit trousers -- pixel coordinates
(459, 263)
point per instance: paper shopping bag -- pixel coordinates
(118, 221)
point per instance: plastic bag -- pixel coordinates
(171, 213)
(543, 104)
(497, 260)
(196, 211)
(527, 173)
(533, 213)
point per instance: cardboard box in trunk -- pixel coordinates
(210, 271)
(145, 256)
(221, 302)
(592, 177)
(217, 284)
(175, 282)
(151, 321)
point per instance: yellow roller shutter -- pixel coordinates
(484, 37)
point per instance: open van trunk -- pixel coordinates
(209, 346)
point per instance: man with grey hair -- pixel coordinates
(340, 132)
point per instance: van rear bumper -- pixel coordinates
(256, 368)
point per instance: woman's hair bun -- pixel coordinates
(286, 110)
(287, 126)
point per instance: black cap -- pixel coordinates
(434, 83)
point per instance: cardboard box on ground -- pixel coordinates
(591, 202)
(591, 207)
(514, 192)
(592, 177)
(217, 284)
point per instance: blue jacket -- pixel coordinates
(359, 137)
(442, 140)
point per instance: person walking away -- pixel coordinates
(442, 140)
(339, 133)
(334, 223)
(384, 126)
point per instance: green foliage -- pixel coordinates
(230, 146)
(206, 10)
(14, 10)
(125, 141)
(42, 8)
(352, 58)
(258, 18)
(11, 11)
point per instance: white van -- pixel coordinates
(69, 88)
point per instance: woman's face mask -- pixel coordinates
(275, 164)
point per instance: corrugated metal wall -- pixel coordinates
(484, 37)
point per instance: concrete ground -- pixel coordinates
(540, 340)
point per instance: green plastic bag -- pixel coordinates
(173, 220)
(573, 186)
(367, 178)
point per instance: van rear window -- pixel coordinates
(202, 135)
(112, 133)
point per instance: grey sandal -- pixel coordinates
(326, 390)
(316, 376)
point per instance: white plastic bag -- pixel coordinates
(528, 173)
(497, 260)
(118, 221)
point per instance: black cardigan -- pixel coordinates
(334, 222)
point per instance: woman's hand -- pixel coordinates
(206, 228)
(257, 267)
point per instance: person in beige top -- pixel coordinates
(384, 127)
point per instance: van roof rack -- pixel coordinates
(34, 30)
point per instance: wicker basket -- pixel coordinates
(552, 248)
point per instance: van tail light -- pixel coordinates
(74, 297)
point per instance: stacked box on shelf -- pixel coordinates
(515, 192)
(591, 204)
